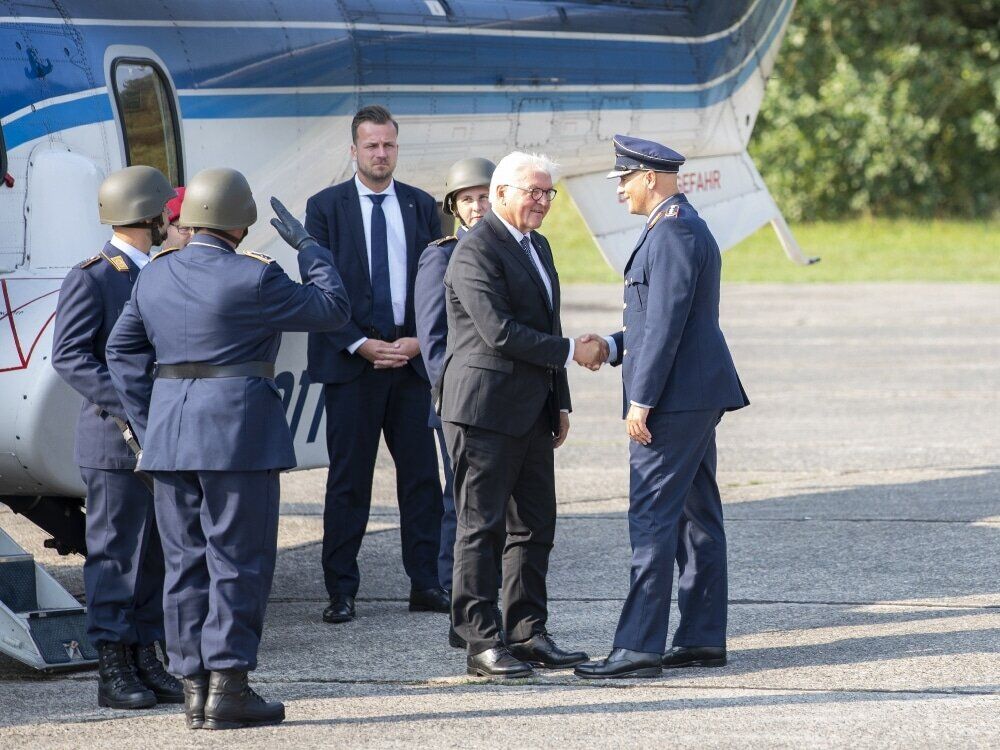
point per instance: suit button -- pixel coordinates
(625, 353)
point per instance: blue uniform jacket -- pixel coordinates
(206, 303)
(430, 310)
(672, 351)
(90, 301)
(333, 217)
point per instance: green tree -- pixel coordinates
(884, 108)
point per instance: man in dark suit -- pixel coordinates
(123, 573)
(679, 380)
(373, 375)
(505, 405)
(467, 198)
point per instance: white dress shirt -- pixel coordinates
(396, 235)
(517, 235)
(134, 254)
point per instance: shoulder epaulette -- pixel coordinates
(117, 262)
(89, 262)
(166, 251)
(258, 256)
(442, 240)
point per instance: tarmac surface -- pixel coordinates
(862, 491)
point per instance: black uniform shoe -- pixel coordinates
(195, 695)
(621, 663)
(232, 703)
(541, 651)
(695, 656)
(148, 666)
(497, 662)
(455, 640)
(430, 600)
(118, 685)
(341, 609)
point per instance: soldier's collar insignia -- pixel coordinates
(258, 256)
(89, 262)
(670, 212)
(117, 262)
(165, 251)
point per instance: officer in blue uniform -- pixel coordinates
(123, 572)
(213, 430)
(467, 199)
(679, 379)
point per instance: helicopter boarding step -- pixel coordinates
(41, 624)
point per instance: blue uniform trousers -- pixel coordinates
(220, 538)
(123, 572)
(394, 402)
(449, 521)
(675, 512)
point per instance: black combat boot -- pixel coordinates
(118, 685)
(195, 695)
(232, 703)
(148, 666)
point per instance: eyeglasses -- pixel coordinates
(182, 230)
(536, 193)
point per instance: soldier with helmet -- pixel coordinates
(123, 572)
(467, 198)
(192, 358)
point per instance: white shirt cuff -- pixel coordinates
(641, 406)
(564, 411)
(357, 344)
(612, 349)
(572, 351)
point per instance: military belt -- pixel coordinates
(199, 370)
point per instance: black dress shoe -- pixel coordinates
(541, 651)
(455, 640)
(232, 704)
(695, 656)
(430, 600)
(118, 685)
(195, 695)
(496, 662)
(341, 609)
(149, 668)
(621, 663)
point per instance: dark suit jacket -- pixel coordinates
(333, 217)
(431, 312)
(672, 351)
(90, 301)
(506, 354)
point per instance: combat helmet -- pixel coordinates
(218, 199)
(463, 174)
(133, 195)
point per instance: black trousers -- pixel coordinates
(394, 403)
(505, 496)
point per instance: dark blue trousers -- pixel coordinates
(220, 539)
(394, 403)
(123, 572)
(449, 522)
(675, 513)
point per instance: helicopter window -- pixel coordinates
(149, 118)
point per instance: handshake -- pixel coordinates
(591, 351)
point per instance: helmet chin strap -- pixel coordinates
(233, 238)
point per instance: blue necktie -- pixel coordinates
(383, 318)
(526, 246)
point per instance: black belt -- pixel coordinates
(197, 370)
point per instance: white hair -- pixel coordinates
(513, 167)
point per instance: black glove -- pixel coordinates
(290, 228)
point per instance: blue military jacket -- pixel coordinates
(90, 301)
(672, 351)
(430, 310)
(207, 303)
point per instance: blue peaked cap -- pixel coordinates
(638, 153)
